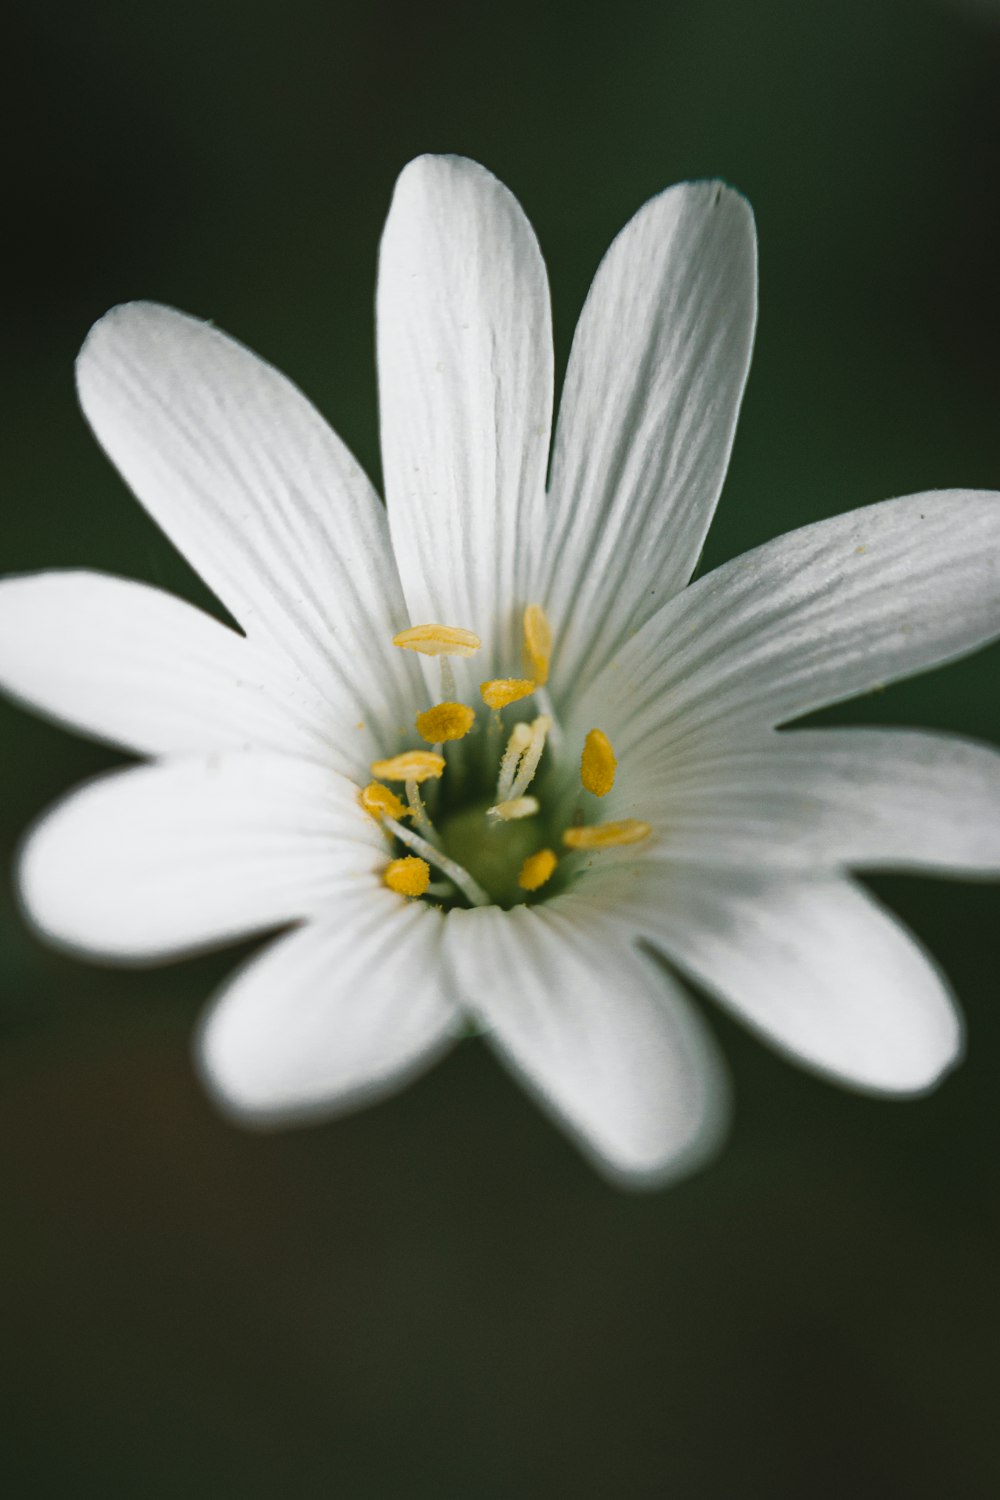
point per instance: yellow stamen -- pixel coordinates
(438, 640)
(412, 765)
(537, 643)
(607, 835)
(597, 764)
(503, 690)
(445, 721)
(516, 807)
(381, 802)
(536, 870)
(409, 876)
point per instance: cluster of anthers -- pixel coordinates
(513, 805)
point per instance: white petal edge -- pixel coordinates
(600, 1035)
(145, 671)
(815, 967)
(332, 1017)
(647, 418)
(261, 497)
(465, 393)
(167, 859)
(806, 798)
(812, 618)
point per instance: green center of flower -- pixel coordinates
(461, 839)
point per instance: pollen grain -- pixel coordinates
(537, 643)
(607, 835)
(536, 870)
(408, 876)
(500, 691)
(438, 640)
(412, 765)
(382, 802)
(597, 764)
(445, 721)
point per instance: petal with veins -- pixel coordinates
(808, 798)
(263, 500)
(465, 390)
(166, 859)
(814, 965)
(814, 617)
(646, 423)
(332, 1017)
(605, 1040)
(146, 671)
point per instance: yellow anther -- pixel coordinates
(445, 721)
(409, 876)
(503, 690)
(381, 802)
(514, 808)
(607, 835)
(536, 870)
(412, 765)
(537, 643)
(597, 764)
(438, 640)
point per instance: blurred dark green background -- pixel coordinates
(437, 1298)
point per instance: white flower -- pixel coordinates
(726, 842)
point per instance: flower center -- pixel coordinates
(461, 840)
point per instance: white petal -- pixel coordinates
(815, 966)
(863, 797)
(817, 616)
(465, 388)
(333, 1016)
(168, 858)
(264, 501)
(597, 1032)
(142, 669)
(647, 418)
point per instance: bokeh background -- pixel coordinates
(437, 1298)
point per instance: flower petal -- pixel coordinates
(168, 858)
(264, 501)
(884, 798)
(817, 967)
(817, 616)
(597, 1032)
(647, 418)
(146, 671)
(332, 1017)
(465, 388)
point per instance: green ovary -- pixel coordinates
(492, 852)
